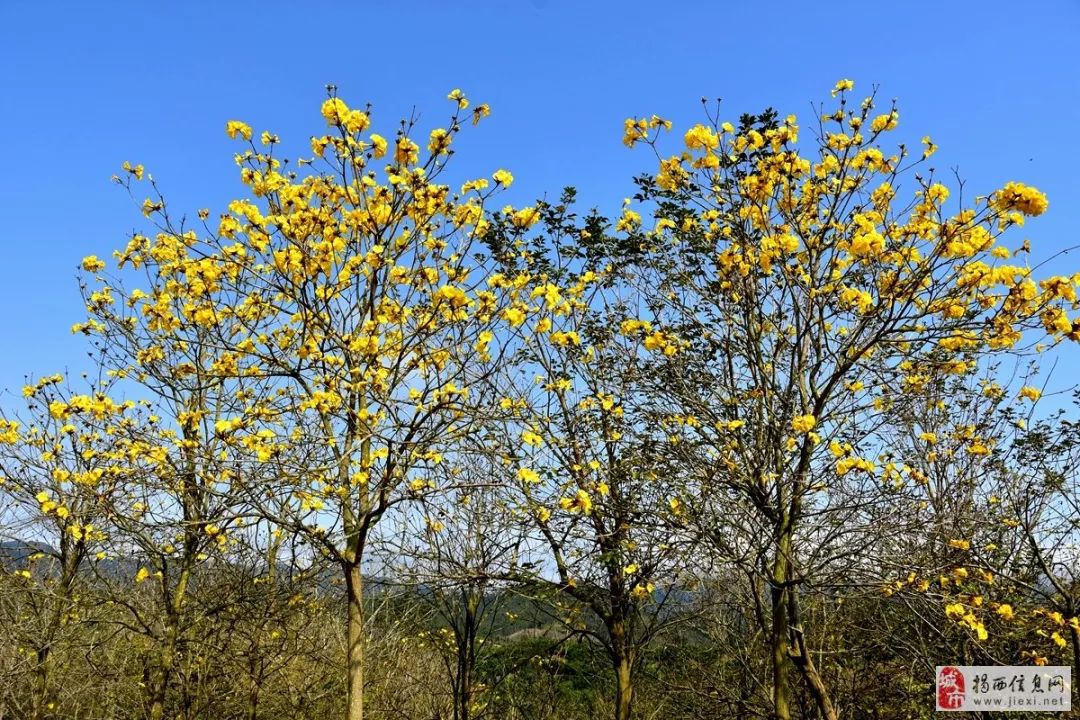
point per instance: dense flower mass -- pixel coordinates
(773, 378)
(828, 313)
(1020, 197)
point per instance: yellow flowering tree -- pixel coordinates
(1007, 572)
(1040, 503)
(940, 529)
(580, 451)
(154, 318)
(780, 367)
(453, 545)
(979, 547)
(61, 463)
(816, 287)
(346, 310)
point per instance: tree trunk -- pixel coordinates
(160, 678)
(158, 683)
(623, 663)
(779, 640)
(817, 687)
(463, 690)
(70, 559)
(41, 684)
(805, 662)
(253, 694)
(465, 698)
(624, 690)
(355, 597)
(464, 628)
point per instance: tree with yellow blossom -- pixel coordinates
(581, 451)
(979, 550)
(346, 307)
(61, 462)
(814, 286)
(779, 366)
(452, 546)
(153, 318)
(1040, 501)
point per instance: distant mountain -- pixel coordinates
(14, 554)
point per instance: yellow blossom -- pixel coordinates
(843, 85)
(1017, 196)
(1030, 393)
(91, 263)
(334, 110)
(580, 502)
(235, 127)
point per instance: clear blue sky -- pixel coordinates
(87, 85)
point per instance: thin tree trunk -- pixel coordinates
(41, 684)
(623, 663)
(160, 678)
(465, 692)
(779, 640)
(465, 639)
(817, 687)
(805, 662)
(70, 558)
(253, 692)
(466, 698)
(355, 598)
(624, 695)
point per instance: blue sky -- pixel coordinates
(89, 85)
